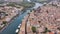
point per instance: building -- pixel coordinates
(2, 15)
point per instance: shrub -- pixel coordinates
(33, 29)
(46, 30)
(0, 28)
(4, 22)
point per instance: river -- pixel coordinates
(14, 24)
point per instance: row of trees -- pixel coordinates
(45, 31)
(4, 23)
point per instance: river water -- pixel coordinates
(14, 25)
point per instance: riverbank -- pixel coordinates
(13, 18)
(9, 22)
(23, 25)
(13, 26)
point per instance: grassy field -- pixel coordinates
(27, 4)
(24, 4)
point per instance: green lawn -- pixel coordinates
(24, 4)
(27, 4)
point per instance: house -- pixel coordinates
(2, 15)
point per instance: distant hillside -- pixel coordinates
(43, 0)
(11, 0)
(27, 0)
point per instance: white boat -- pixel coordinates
(19, 26)
(17, 30)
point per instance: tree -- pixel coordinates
(6, 15)
(39, 21)
(46, 30)
(4, 22)
(11, 4)
(33, 29)
(0, 28)
(58, 28)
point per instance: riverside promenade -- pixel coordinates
(23, 25)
